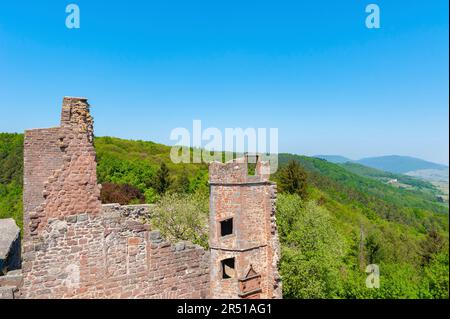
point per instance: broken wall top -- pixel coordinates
(60, 168)
(237, 170)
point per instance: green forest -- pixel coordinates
(333, 219)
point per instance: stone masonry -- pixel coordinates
(9, 245)
(249, 251)
(75, 247)
(10, 260)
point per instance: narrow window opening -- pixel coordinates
(251, 164)
(226, 227)
(228, 268)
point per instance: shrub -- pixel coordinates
(182, 217)
(151, 196)
(122, 194)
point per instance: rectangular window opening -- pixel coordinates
(251, 164)
(226, 227)
(228, 268)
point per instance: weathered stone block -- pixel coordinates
(9, 246)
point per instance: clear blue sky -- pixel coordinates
(310, 68)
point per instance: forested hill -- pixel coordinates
(390, 163)
(339, 218)
(399, 164)
(374, 198)
(404, 181)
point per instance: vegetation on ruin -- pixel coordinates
(122, 194)
(333, 219)
(181, 216)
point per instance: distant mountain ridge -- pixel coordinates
(390, 163)
(399, 164)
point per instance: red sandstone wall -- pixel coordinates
(76, 249)
(42, 156)
(112, 256)
(250, 201)
(60, 169)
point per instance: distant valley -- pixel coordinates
(434, 175)
(399, 171)
(398, 165)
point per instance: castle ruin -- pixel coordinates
(75, 247)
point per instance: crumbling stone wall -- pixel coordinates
(68, 154)
(74, 247)
(42, 157)
(112, 255)
(249, 201)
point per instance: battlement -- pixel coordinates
(237, 171)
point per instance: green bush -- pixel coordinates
(151, 196)
(182, 217)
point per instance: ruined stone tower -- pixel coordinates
(243, 235)
(75, 247)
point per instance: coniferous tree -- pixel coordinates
(292, 179)
(431, 245)
(162, 180)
